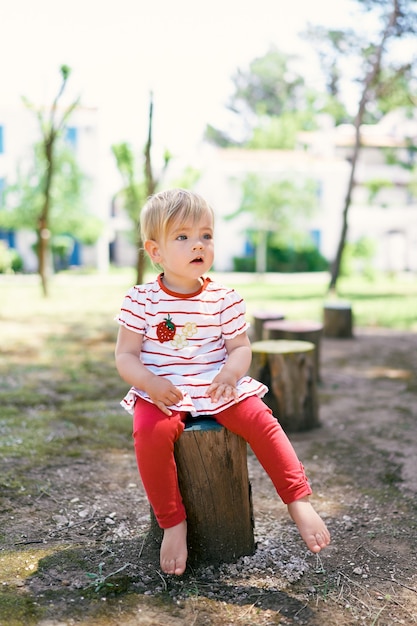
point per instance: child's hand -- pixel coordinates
(163, 393)
(222, 386)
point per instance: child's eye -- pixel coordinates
(182, 237)
(208, 236)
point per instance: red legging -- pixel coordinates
(155, 434)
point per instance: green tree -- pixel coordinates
(48, 195)
(24, 200)
(385, 82)
(269, 87)
(374, 186)
(271, 101)
(274, 208)
(133, 195)
(139, 182)
(51, 128)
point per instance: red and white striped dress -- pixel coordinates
(184, 339)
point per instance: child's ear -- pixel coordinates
(152, 249)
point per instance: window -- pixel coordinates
(71, 136)
(315, 235)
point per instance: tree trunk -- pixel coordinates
(369, 82)
(213, 479)
(43, 223)
(287, 369)
(50, 131)
(300, 330)
(150, 185)
(140, 264)
(261, 251)
(338, 320)
(259, 320)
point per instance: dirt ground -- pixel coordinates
(82, 538)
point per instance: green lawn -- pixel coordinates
(387, 301)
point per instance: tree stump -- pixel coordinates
(338, 320)
(287, 368)
(214, 484)
(259, 319)
(302, 330)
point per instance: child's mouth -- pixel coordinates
(197, 260)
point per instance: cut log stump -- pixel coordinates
(301, 330)
(338, 320)
(259, 319)
(288, 369)
(214, 484)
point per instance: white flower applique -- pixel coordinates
(190, 329)
(180, 340)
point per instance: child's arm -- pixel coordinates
(160, 390)
(237, 364)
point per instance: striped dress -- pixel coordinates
(184, 339)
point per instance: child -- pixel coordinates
(183, 347)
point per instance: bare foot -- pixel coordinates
(312, 528)
(173, 555)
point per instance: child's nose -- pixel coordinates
(197, 245)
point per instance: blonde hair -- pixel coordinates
(166, 207)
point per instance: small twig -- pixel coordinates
(320, 562)
(27, 542)
(370, 551)
(362, 547)
(107, 550)
(75, 524)
(299, 610)
(247, 611)
(351, 581)
(374, 621)
(362, 602)
(163, 580)
(119, 570)
(397, 582)
(43, 492)
(142, 546)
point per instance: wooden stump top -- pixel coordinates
(282, 346)
(338, 305)
(268, 315)
(259, 319)
(338, 320)
(295, 326)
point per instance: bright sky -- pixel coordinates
(184, 50)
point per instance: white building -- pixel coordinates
(222, 176)
(389, 216)
(383, 208)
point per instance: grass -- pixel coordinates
(389, 302)
(58, 386)
(94, 299)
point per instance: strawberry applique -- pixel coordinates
(165, 331)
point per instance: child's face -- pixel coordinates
(186, 252)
